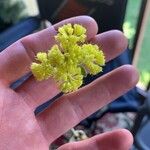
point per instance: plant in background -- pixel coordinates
(11, 11)
(69, 60)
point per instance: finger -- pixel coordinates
(15, 60)
(32, 89)
(69, 110)
(113, 43)
(123, 141)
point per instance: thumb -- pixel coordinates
(115, 140)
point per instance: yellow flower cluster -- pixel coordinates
(68, 61)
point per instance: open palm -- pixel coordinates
(21, 129)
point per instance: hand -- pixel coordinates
(21, 129)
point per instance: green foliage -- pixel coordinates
(11, 10)
(131, 19)
(144, 78)
(70, 60)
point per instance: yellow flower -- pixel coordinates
(69, 60)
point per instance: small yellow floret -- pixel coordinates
(55, 56)
(41, 71)
(42, 57)
(93, 58)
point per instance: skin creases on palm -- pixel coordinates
(18, 125)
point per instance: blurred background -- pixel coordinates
(19, 18)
